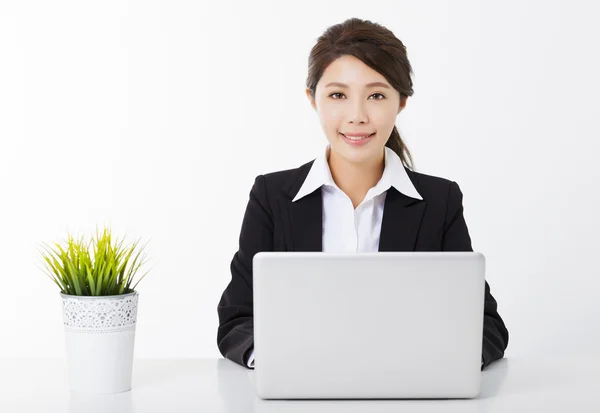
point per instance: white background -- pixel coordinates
(156, 116)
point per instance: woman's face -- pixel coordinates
(347, 103)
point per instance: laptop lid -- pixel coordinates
(368, 325)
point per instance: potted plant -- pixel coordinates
(99, 309)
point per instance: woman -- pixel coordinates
(361, 194)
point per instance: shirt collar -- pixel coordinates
(394, 175)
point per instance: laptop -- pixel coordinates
(368, 325)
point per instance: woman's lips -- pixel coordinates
(360, 142)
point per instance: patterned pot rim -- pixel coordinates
(97, 297)
(100, 314)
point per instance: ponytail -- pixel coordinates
(396, 144)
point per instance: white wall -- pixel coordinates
(155, 117)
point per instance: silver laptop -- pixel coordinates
(368, 325)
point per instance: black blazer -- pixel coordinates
(272, 222)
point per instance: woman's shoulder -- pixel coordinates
(284, 175)
(284, 180)
(431, 187)
(427, 179)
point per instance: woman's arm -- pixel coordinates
(456, 238)
(235, 335)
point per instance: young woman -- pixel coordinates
(361, 194)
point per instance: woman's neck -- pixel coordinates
(354, 179)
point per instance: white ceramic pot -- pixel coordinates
(99, 338)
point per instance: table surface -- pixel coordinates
(219, 385)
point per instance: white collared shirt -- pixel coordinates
(346, 229)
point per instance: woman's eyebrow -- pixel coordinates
(372, 84)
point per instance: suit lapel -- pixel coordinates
(402, 217)
(303, 219)
(306, 219)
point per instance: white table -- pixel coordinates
(219, 385)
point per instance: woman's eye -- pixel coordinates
(338, 93)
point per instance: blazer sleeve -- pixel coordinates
(456, 238)
(235, 334)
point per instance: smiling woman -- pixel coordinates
(359, 71)
(361, 194)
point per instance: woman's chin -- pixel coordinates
(356, 154)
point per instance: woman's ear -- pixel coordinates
(403, 100)
(311, 99)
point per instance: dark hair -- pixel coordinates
(378, 48)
